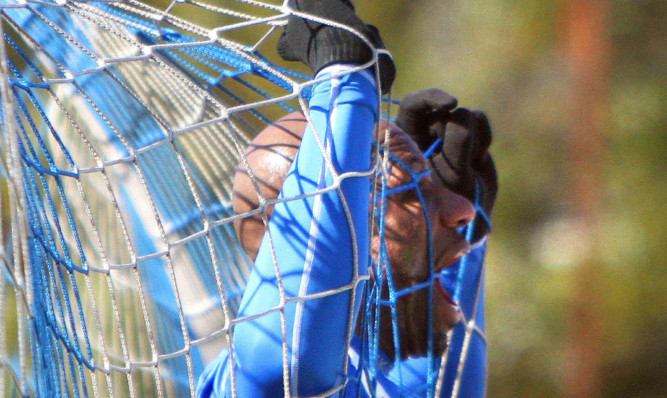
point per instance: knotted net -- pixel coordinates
(122, 125)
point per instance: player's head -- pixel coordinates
(406, 228)
(419, 209)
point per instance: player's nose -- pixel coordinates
(455, 211)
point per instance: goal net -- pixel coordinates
(122, 126)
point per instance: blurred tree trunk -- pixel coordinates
(586, 51)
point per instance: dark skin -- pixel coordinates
(406, 234)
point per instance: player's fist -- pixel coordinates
(319, 45)
(463, 162)
(423, 113)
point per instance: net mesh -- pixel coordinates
(123, 123)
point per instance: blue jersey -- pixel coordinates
(317, 245)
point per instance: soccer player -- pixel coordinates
(317, 245)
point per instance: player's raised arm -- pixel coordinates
(318, 244)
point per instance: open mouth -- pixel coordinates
(441, 291)
(447, 312)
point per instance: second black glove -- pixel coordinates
(463, 163)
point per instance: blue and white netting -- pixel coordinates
(122, 125)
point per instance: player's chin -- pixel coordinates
(421, 349)
(418, 329)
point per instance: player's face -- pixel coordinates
(407, 239)
(406, 232)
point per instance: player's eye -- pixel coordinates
(424, 183)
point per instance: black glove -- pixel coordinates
(319, 45)
(463, 163)
(422, 110)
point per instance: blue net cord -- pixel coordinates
(461, 370)
(129, 129)
(59, 320)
